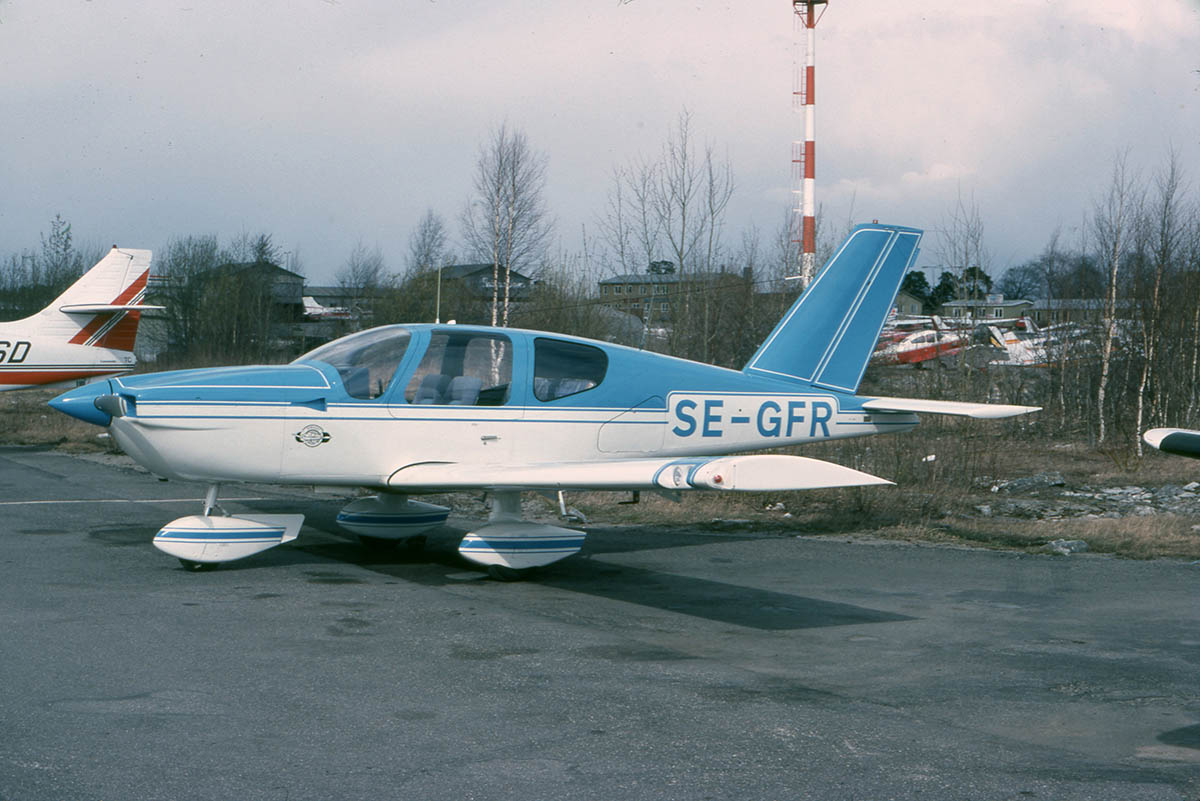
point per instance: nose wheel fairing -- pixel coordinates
(210, 538)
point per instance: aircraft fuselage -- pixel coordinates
(42, 361)
(299, 424)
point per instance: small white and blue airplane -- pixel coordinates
(1179, 441)
(411, 409)
(86, 334)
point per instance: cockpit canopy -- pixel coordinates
(366, 361)
(460, 366)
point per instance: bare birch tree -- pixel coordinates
(1166, 219)
(1112, 221)
(960, 245)
(427, 244)
(1191, 286)
(184, 266)
(427, 255)
(361, 278)
(619, 223)
(691, 191)
(688, 194)
(508, 223)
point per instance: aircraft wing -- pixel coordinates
(981, 411)
(749, 473)
(1179, 441)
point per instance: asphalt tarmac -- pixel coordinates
(657, 664)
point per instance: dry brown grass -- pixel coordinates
(1150, 537)
(25, 419)
(936, 501)
(905, 516)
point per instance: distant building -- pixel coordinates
(990, 307)
(286, 287)
(908, 305)
(654, 295)
(478, 280)
(208, 293)
(1074, 310)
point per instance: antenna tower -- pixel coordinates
(806, 16)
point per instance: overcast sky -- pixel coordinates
(330, 122)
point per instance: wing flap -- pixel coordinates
(748, 473)
(979, 411)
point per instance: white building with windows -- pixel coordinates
(989, 307)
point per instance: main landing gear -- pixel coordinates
(383, 521)
(510, 547)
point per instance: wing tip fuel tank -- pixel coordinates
(1177, 441)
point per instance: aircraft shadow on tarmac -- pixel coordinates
(439, 564)
(717, 601)
(322, 545)
(1186, 737)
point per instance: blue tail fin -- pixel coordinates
(828, 335)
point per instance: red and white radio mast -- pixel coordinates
(804, 152)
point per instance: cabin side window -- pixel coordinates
(565, 368)
(462, 369)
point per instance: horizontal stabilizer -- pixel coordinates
(106, 308)
(1179, 441)
(749, 473)
(980, 411)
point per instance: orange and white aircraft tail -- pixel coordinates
(88, 331)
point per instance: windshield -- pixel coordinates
(366, 361)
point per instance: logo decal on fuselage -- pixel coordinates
(312, 436)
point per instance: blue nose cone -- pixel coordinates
(80, 403)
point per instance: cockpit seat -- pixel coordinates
(431, 389)
(357, 381)
(570, 386)
(464, 390)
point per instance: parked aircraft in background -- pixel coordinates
(1041, 347)
(314, 310)
(1179, 441)
(86, 334)
(412, 409)
(1029, 350)
(924, 345)
(897, 328)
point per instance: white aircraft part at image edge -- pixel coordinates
(86, 334)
